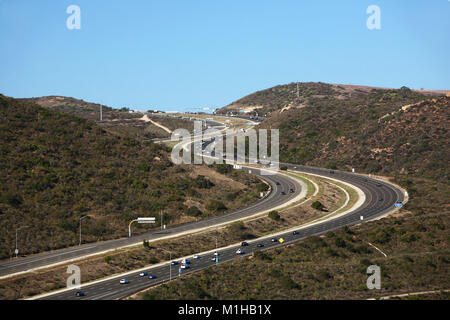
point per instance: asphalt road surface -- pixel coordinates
(272, 200)
(380, 199)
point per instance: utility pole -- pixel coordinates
(101, 115)
(161, 218)
(81, 218)
(298, 94)
(17, 250)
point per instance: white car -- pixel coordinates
(197, 256)
(124, 281)
(240, 251)
(185, 266)
(216, 253)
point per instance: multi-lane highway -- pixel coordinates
(380, 199)
(272, 200)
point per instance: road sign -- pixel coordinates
(146, 220)
(16, 251)
(281, 240)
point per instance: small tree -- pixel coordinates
(317, 205)
(274, 215)
(283, 168)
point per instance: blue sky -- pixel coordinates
(175, 55)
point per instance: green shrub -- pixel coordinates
(193, 211)
(274, 215)
(317, 205)
(153, 260)
(215, 206)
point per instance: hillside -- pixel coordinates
(304, 94)
(56, 167)
(81, 108)
(400, 133)
(374, 130)
(122, 121)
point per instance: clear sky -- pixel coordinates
(207, 53)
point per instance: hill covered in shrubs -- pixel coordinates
(56, 167)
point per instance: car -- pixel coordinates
(296, 232)
(213, 258)
(291, 190)
(185, 266)
(283, 193)
(152, 276)
(378, 184)
(331, 171)
(240, 251)
(185, 261)
(274, 239)
(277, 183)
(143, 274)
(124, 281)
(216, 253)
(260, 245)
(174, 263)
(295, 167)
(80, 293)
(381, 199)
(244, 244)
(197, 256)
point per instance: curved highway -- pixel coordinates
(380, 199)
(272, 200)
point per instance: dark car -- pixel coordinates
(381, 199)
(331, 171)
(277, 183)
(152, 276)
(295, 232)
(283, 193)
(260, 245)
(80, 293)
(274, 239)
(291, 190)
(244, 244)
(174, 263)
